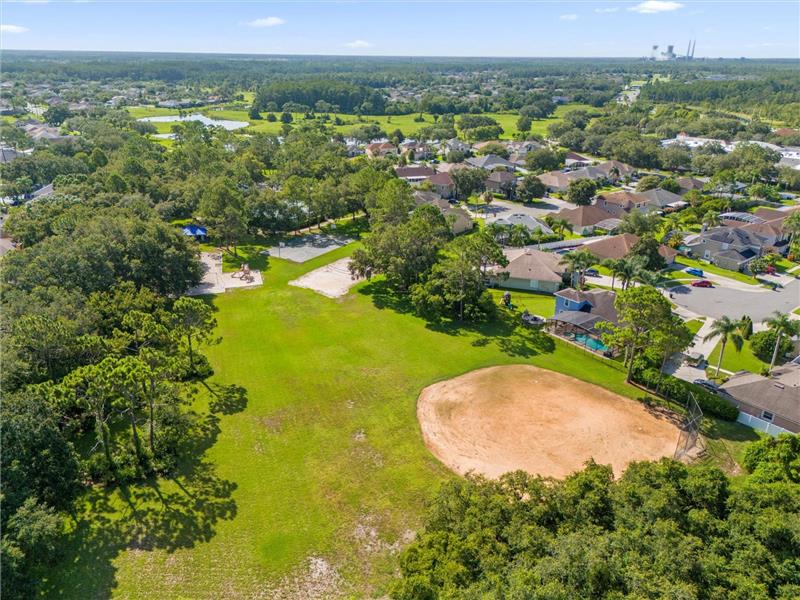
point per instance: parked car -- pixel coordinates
(592, 272)
(709, 385)
(704, 283)
(695, 272)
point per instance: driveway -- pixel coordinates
(499, 209)
(719, 301)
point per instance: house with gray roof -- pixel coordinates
(770, 404)
(727, 247)
(490, 162)
(528, 222)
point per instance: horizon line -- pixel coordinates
(424, 56)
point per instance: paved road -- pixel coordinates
(499, 209)
(718, 301)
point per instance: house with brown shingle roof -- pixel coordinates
(443, 184)
(622, 202)
(584, 219)
(620, 246)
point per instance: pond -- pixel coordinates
(226, 124)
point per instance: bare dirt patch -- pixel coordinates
(500, 419)
(333, 280)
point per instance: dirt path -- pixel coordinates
(499, 419)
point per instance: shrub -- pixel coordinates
(677, 390)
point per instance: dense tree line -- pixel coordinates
(662, 530)
(335, 96)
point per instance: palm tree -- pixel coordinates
(615, 266)
(782, 325)
(726, 329)
(559, 226)
(791, 225)
(711, 219)
(629, 268)
(577, 262)
(518, 235)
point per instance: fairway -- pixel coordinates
(408, 124)
(322, 469)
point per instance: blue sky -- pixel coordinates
(756, 29)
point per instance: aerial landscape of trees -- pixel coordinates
(110, 393)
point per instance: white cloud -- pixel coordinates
(572, 17)
(652, 7)
(13, 29)
(613, 9)
(358, 44)
(267, 22)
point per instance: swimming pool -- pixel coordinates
(590, 342)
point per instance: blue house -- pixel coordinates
(579, 312)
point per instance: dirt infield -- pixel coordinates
(500, 419)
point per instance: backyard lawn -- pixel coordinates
(319, 462)
(543, 305)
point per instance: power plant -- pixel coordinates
(669, 54)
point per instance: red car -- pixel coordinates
(702, 283)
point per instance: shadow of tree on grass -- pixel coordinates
(503, 329)
(166, 513)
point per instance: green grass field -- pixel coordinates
(736, 361)
(325, 458)
(406, 123)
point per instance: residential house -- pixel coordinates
(459, 219)
(414, 174)
(770, 404)
(522, 147)
(443, 184)
(7, 154)
(417, 150)
(532, 270)
(663, 200)
(575, 161)
(691, 183)
(43, 192)
(623, 202)
(528, 222)
(584, 219)
(555, 181)
(727, 247)
(502, 182)
(579, 314)
(457, 145)
(490, 162)
(381, 149)
(620, 246)
(614, 170)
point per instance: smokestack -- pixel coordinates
(689, 49)
(693, 47)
